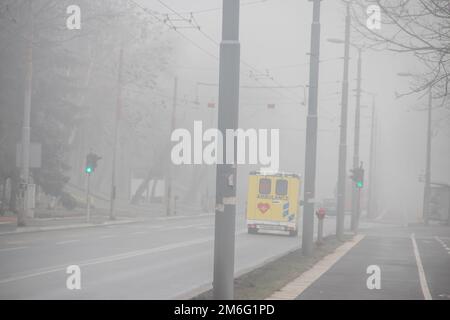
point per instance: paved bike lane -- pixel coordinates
(347, 278)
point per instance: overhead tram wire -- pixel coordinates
(249, 66)
(147, 11)
(217, 44)
(243, 62)
(218, 9)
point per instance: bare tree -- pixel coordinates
(419, 27)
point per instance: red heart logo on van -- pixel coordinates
(263, 207)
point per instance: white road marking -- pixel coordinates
(108, 236)
(13, 248)
(442, 243)
(139, 232)
(154, 227)
(112, 258)
(422, 278)
(296, 287)
(205, 227)
(16, 242)
(67, 241)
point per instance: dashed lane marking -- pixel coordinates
(108, 236)
(13, 248)
(67, 242)
(113, 258)
(205, 227)
(422, 277)
(443, 244)
(16, 242)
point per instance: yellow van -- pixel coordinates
(273, 203)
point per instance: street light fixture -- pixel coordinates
(355, 191)
(340, 203)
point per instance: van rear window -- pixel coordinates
(281, 188)
(265, 186)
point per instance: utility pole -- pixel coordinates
(228, 117)
(343, 134)
(209, 172)
(370, 204)
(25, 170)
(169, 165)
(88, 198)
(426, 193)
(311, 135)
(116, 133)
(356, 192)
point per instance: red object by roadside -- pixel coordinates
(320, 213)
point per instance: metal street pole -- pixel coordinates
(25, 157)
(116, 133)
(228, 116)
(169, 165)
(311, 135)
(426, 193)
(370, 204)
(356, 191)
(343, 134)
(209, 172)
(88, 197)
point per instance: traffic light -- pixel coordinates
(91, 162)
(357, 175)
(360, 181)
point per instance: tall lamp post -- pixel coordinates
(356, 199)
(25, 145)
(371, 209)
(116, 135)
(311, 135)
(340, 214)
(426, 193)
(427, 185)
(228, 116)
(356, 194)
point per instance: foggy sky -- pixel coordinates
(275, 35)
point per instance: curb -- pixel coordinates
(19, 230)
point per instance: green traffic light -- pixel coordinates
(359, 184)
(88, 170)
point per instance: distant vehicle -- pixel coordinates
(329, 204)
(273, 203)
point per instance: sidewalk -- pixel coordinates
(8, 224)
(412, 261)
(60, 218)
(347, 279)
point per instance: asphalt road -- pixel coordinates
(161, 259)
